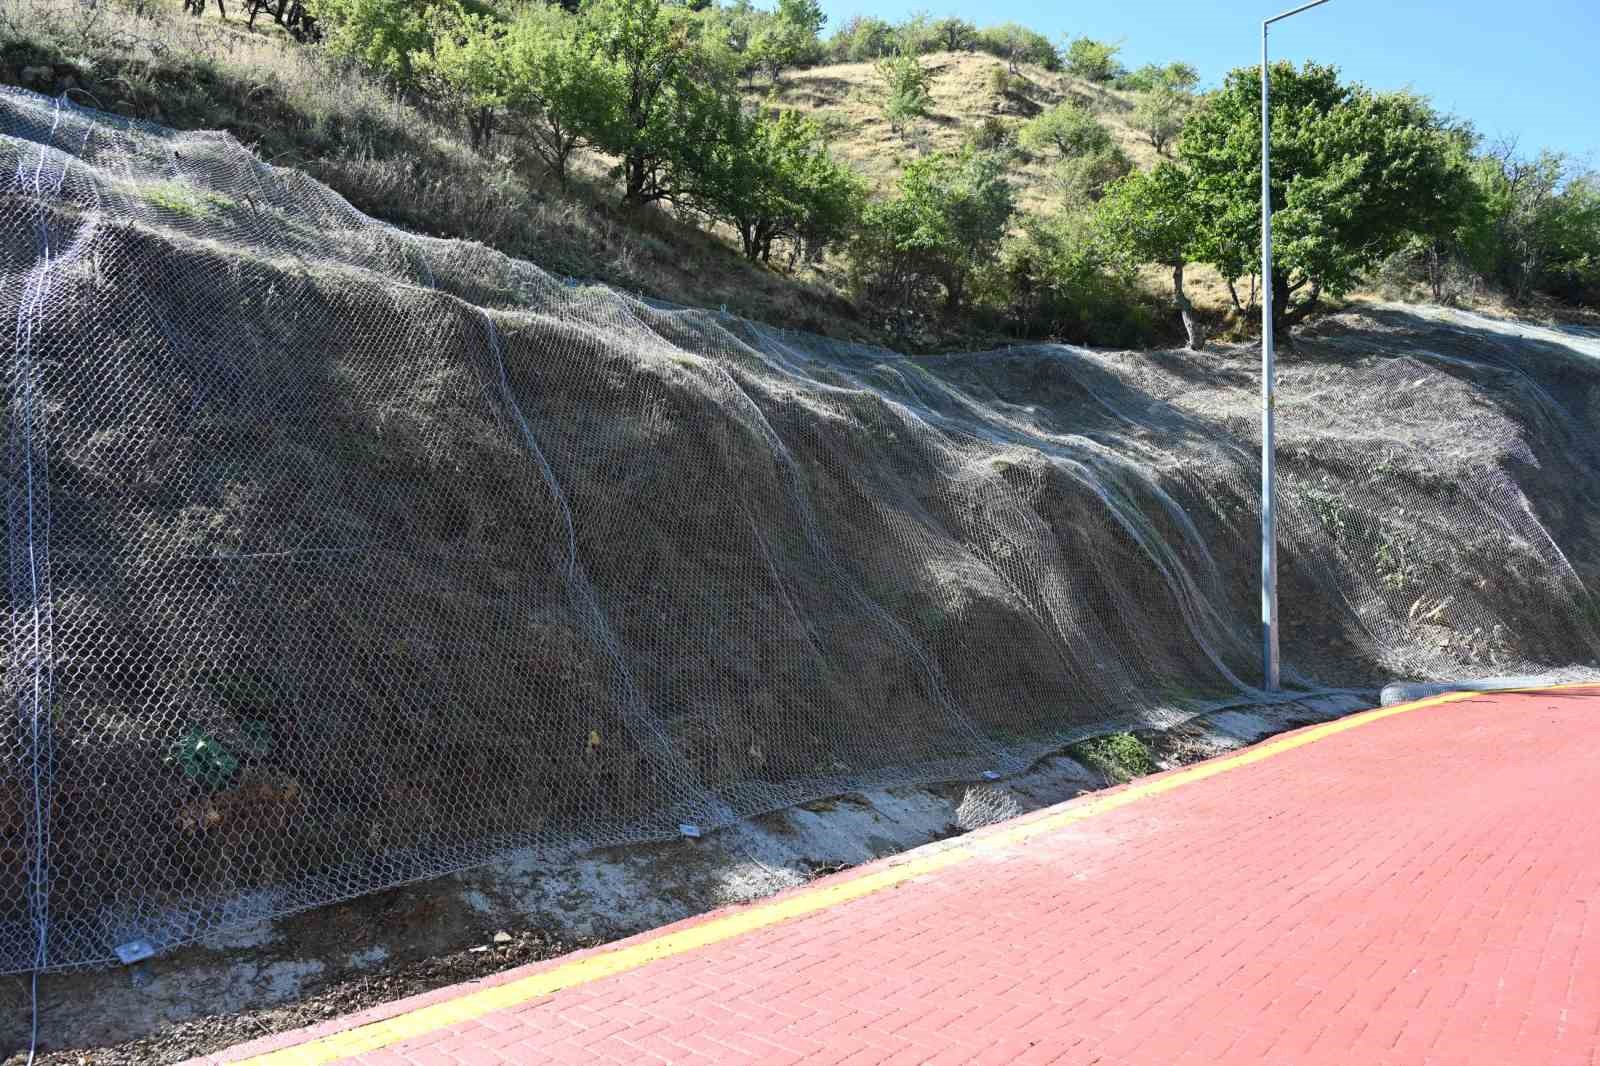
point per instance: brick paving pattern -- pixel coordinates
(1420, 889)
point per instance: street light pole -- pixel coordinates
(1269, 473)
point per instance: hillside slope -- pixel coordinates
(294, 105)
(342, 557)
(847, 97)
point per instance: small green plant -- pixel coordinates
(182, 199)
(990, 134)
(1120, 756)
(1330, 510)
(1394, 560)
(905, 81)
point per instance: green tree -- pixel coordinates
(1543, 223)
(1092, 60)
(1150, 217)
(1067, 129)
(915, 36)
(955, 34)
(1082, 179)
(861, 39)
(466, 59)
(668, 98)
(561, 93)
(1052, 279)
(1180, 77)
(1017, 44)
(905, 83)
(1354, 175)
(382, 35)
(789, 38)
(945, 223)
(804, 15)
(1087, 156)
(1159, 116)
(776, 181)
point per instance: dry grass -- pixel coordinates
(848, 97)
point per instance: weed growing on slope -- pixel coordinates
(1120, 756)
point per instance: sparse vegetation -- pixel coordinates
(905, 89)
(656, 143)
(945, 225)
(1121, 757)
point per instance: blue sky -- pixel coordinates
(1526, 68)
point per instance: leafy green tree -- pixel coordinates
(776, 181)
(804, 15)
(561, 95)
(466, 59)
(861, 39)
(1066, 129)
(1354, 175)
(1180, 77)
(1150, 217)
(1051, 279)
(905, 83)
(955, 34)
(1087, 156)
(669, 98)
(1542, 220)
(1159, 116)
(382, 35)
(1092, 60)
(779, 46)
(1017, 44)
(1082, 179)
(946, 223)
(915, 36)
(789, 38)
(1458, 245)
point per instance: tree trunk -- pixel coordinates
(1283, 314)
(952, 295)
(633, 191)
(1233, 294)
(1191, 324)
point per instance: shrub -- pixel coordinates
(1050, 280)
(1018, 44)
(1093, 60)
(991, 134)
(944, 226)
(1159, 115)
(1120, 756)
(905, 82)
(1068, 130)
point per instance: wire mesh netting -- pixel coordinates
(342, 557)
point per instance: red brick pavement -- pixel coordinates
(1424, 888)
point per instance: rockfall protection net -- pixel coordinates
(341, 557)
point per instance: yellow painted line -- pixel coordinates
(380, 1034)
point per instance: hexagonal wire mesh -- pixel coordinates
(342, 557)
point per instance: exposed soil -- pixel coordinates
(334, 998)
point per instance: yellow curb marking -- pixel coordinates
(380, 1034)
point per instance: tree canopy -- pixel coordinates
(946, 222)
(1354, 175)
